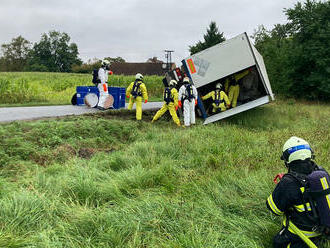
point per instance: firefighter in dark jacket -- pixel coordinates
(287, 198)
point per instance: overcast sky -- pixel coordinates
(136, 29)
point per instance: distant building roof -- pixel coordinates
(143, 68)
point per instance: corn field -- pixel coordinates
(58, 88)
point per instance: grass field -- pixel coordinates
(106, 180)
(37, 88)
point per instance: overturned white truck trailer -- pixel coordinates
(220, 62)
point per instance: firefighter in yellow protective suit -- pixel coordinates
(219, 99)
(233, 85)
(136, 91)
(170, 103)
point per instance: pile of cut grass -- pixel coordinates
(108, 181)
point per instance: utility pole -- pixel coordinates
(168, 56)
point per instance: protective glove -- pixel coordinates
(110, 72)
(105, 88)
(195, 102)
(180, 104)
(278, 176)
(176, 108)
(145, 101)
(127, 96)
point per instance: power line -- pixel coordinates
(168, 56)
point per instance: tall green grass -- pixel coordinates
(105, 180)
(30, 88)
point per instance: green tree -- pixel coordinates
(115, 60)
(15, 54)
(310, 56)
(55, 53)
(211, 38)
(296, 54)
(275, 47)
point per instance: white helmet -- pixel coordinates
(139, 76)
(186, 80)
(105, 62)
(172, 83)
(296, 149)
(218, 86)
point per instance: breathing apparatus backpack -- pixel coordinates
(167, 95)
(135, 91)
(96, 79)
(217, 97)
(317, 194)
(190, 92)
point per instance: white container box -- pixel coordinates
(216, 63)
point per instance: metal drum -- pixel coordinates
(108, 103)
(91, 100)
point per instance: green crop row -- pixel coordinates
(58, 88)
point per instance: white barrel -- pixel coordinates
(91, 100)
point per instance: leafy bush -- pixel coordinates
(36, 67)
(296, 54)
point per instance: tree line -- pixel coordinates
(53, 52)
(297, 54)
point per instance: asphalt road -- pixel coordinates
(31, 113)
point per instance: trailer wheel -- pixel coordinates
(74, 99)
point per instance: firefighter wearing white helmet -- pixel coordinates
(287, 199)
(219, 97)
(188, 100)
(170, 103)
(137, 91)
(103, 85)
(296, 149)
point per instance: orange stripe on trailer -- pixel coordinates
(191, 66)
(105, 88)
